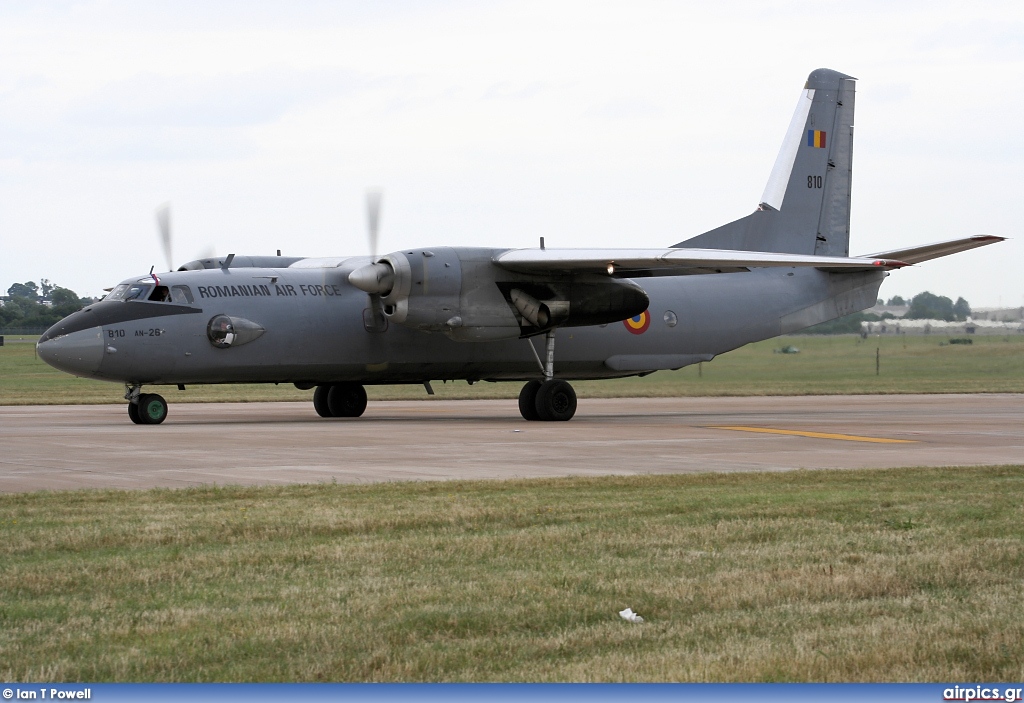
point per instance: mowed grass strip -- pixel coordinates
(826, 365)
(895, 575)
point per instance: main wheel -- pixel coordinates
(133, 413)
(556, 401)
(320, 401)
(528, 400)
(152, 409)
(347, 400)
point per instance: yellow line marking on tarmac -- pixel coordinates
(816, 435)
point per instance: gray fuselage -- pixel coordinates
(317, 328)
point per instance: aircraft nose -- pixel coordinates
(78, 353)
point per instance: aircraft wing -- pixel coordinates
(916, 255)
(673, 262)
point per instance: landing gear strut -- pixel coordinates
(339, 400)
(551, 400)
(145, 408)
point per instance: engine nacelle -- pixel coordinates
(462, 293)
(418, 289)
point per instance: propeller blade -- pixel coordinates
(373, 202)
(163, 223)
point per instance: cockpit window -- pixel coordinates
(182, 295)
(147, 291)
(130, 291)
(117, 292)
(136, 291)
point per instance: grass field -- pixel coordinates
(896, 575)
(825, 365)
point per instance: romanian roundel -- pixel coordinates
(639, 323)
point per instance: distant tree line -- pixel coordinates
(923, 306)
(28, 305)
(927, 306)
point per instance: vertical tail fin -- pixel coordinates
(805, 208)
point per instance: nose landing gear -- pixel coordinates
(145, 408)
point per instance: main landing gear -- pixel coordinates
(339, 400)
(145, 408)
(551, 400)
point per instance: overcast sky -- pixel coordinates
(491, 124)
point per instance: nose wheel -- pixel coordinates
(148, 409)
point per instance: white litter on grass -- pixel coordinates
(629, 615)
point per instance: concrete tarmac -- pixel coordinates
(97, 446)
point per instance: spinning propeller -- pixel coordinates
(163, 223)
(373, 202)
(374, 278)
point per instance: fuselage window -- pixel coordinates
(182, 295)
(161, 294)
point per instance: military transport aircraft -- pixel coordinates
(544, 316)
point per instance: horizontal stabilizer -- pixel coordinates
(915, 255)
(673, 262)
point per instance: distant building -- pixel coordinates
(968, 326)
(999, 314)
(894, 310)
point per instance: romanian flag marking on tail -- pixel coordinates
(816, 138)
